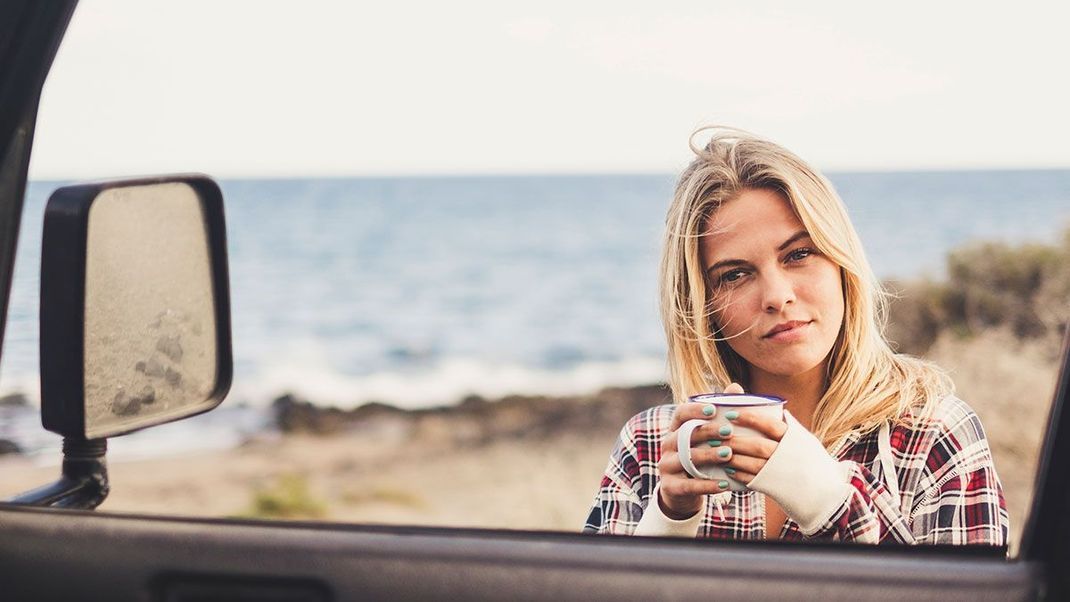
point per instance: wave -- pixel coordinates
(246, 411)
(442, 383)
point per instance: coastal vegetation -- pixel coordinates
(287, 497)
(1023, 289)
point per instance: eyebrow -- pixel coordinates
(801, 234)
(794, 238)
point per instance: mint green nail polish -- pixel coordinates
(708, 410)
(724, 452)
(714, 442)
(722, 484)
(725, 430)
(731, 414)
(731, 471)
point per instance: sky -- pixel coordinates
(314, 88)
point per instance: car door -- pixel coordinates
(49, 554)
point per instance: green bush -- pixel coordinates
(993, 284)
(1024, 289)
(289, 497)
(916, 314)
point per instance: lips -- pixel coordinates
(784, 327)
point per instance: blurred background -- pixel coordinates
(444, 224)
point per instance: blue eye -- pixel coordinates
(800, 254)
(731, 276)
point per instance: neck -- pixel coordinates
(802, 391)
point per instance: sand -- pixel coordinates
(543, 483)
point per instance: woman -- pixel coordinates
(765, 288)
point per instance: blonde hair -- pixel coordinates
(867, 382)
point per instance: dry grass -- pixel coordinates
(1010, 384)
(289, 497)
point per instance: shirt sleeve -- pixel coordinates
(630, 477)
(654, 522)
(617, 506)
(958, 498)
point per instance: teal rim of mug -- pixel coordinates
(725, 399)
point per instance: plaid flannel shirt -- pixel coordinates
(949, 491)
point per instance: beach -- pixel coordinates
(433, 363)
(530, 463)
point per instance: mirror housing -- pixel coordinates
(135, 306)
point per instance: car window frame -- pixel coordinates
(35, 33)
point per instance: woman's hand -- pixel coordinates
(681, 496)
(751, 452)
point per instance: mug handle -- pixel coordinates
(683, 447)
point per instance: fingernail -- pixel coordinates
(725, 430)
(731, 471)
(722, 484)
(714, 442)
(731, 414)
(708, 410)
(723, 452)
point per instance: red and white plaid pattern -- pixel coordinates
(950, 493)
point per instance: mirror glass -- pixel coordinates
(150, 332)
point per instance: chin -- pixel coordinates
(790, 367)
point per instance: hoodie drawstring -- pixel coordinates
(719, 500)
(884, 451)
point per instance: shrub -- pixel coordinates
(1024, 288)
(289, 497)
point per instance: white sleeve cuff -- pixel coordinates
(655, 523)
(807, 482)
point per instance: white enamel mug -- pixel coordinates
(762, 404)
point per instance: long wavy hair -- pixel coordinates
(867, 383)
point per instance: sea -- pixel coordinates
(419, 291)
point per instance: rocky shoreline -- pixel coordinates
(12, 405)
(476, 421)
(472, 422)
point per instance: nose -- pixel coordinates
(778, 291)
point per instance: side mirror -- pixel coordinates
(135, 312)
(135, 316)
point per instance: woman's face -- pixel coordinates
(777, 300)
